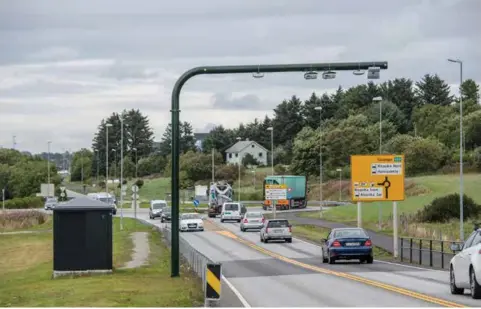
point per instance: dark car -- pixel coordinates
(166, 214)
(347, 244)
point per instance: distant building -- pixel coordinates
(236, 152)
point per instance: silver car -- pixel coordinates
(252, 220)
(51, 203)
(276, 229)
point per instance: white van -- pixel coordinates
(231, 211)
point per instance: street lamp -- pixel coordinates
(98, 163)
(121, 172)
(254, 172)
(239, 161)
(461, 176)
(319, 108)
(107, 126)
(135, 149)
(379, 99)
(340, 183)
(48, 168)
(115, 164)
(272, 149)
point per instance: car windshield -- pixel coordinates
(158, 205)
(231, 206)
(51, 200)
(107, 200)
(349, 233)
(279, 223)
(253, 215)
(189, 216)
(167, 210)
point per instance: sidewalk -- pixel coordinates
(384, 242)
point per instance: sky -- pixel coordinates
(66, 65)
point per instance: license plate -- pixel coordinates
(278, 231)
(352, 244)
(192, 225)
(255, 221)
(227, 213)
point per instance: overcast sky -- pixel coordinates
(65, 65)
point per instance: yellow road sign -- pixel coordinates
(276, 192)
(281, 186)
(377, 178)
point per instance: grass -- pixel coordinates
(316, 233)
(24, 220)
(426, 189)
(26, 268)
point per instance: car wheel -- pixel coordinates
(324, 259)
(330, 259)
(369, 260)
(162, 220)
(452, 283)
(289, 240)
(262, 239)
(475, 287)
(221, 220)
(266, 240)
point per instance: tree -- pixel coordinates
(186, 143)
(400, 92)
(249, 159)
(424, 156)
(138, 133)
(470, 91)
(433, 90)
(219, 138)
(390, 112)
(81, 165)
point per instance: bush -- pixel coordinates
(139, 183)
(13, 220)
(24, 203)
(102, 184)
(443, 209)
(252, 196)
(280, 169)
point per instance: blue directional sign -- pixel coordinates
(196, 203)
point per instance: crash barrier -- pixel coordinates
(426, 252)
(205, 268)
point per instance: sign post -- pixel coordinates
(3, 199)
(378, 178)
(275, 193)
(135, 189)
(212, 283)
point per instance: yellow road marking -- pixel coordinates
(213, 281)
(434, 300)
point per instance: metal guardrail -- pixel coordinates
(426, 252)
(197, 261)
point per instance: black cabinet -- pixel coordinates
(82, 237)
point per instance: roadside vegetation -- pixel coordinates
(26, 269)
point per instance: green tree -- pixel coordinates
(138, 132)
(470, 91)
(249, 159)
(390, 112)
(186, 143)
(81, 164)
(424, 156)
(433, 90)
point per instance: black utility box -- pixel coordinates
(82, 237)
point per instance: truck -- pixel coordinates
(296, 192)
(220, 192)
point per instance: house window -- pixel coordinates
(236, 155)
(230, 155)
(260, 154)
(252, 145)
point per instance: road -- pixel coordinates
(292, 275)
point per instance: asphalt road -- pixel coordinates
(293, 275)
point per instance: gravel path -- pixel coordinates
(141, 250)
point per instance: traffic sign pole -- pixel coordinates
(359, 214)
(395, 228)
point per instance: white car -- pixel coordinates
(465, 266)
(191, 222)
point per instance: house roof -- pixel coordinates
(241, 145)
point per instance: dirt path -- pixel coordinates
(141, 253)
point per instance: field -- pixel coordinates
(26, 269)
(425, 189)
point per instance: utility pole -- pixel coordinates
(213, 164)
(122, 172)
(48, 169)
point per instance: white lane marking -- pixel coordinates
(236, 292)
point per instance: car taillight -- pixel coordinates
(336, 244)
(290, 229)
(267, 230)
(245, 220)
(263, 219)
(368, 243)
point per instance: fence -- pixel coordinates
(426, 252)
(196, 260)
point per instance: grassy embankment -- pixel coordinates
(420, 191)
(26, 269)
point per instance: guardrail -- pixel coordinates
(197, 261)
(426, 252)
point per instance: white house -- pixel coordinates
(236, 152)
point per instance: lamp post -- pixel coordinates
(379, 99)
(107, 126)
(98, 165)
(321, 197)
(340, 183)
(121, 172)
(272, 149)
(48, 168)
(115, 165)
(461, 176)
(239, 162)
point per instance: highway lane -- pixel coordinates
(429, 282)
(266, 281)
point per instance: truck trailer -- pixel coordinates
(296, 192)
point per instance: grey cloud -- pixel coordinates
(245, 102)
(121, 71)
